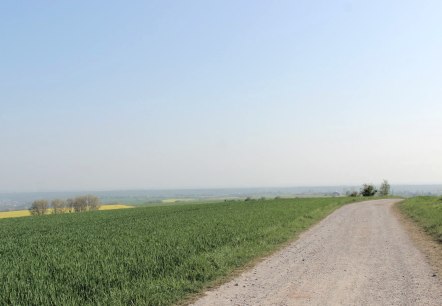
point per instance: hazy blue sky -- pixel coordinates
(183, 94)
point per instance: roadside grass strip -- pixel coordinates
(427, 212)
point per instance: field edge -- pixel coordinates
(425, 243)
(252, 263)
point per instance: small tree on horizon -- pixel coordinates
(70, 203)
(384, 190)
(79, 204)
(93, 202)
(58, 206)
(352, 193)
(368, 190)
(86, 203)
(39, 207)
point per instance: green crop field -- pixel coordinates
(143, 256)
(427, 212)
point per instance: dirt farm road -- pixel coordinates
(359, 255)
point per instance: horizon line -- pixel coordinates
(211, 188)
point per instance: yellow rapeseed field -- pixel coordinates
(116, 206)
(14, 214)
(26, 213)
(168, 201)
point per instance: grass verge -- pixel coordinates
(143, 256)
(409, 212)
(426, 212)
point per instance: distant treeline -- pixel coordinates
(58, 206)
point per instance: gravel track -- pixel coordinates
(359, 255)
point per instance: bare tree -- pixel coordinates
(58, 206)
(93, 202)
(85, 203)
(39, 207)
(70, 205)
(79, 204)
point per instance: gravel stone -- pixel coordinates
(359, 255)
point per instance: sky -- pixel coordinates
(102, 95)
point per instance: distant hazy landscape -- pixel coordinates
(15, 201)
(220, 153)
